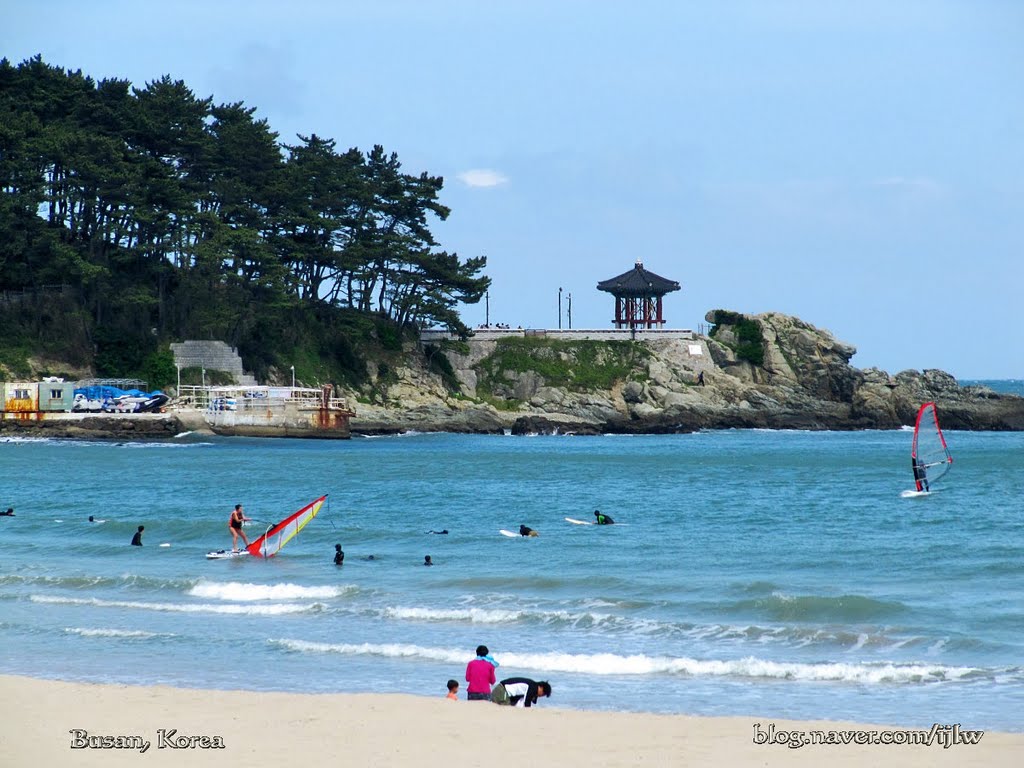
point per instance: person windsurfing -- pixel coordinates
(235, 526)
(920, 474)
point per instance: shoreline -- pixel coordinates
(51, 722)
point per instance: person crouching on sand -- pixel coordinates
(520, 691)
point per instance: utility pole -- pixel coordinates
(559, 308)
(570, 311)
(487, 309)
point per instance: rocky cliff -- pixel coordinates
(770, 370)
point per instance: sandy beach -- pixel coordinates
(50, 723)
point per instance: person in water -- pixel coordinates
(520, 691)
(603, 519)
(8, 513)
(444, 532)
(920, 474)
(427, 560)
(453, 690)
(480, 675)
(137, 538)
(339, 556)
(527, 531)
(92, 519)
(235, 526)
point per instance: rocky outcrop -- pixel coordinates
(128, 426)
(769, 371)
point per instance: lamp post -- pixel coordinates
(487, 309)
(570, 311)
(293, 377)
(204, 378)
(559, 308)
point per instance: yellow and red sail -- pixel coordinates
(271, 542)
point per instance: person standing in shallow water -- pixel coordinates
(137, 538)
(339, 556)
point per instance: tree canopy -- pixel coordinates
(162, 215)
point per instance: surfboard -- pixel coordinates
(503, 532)
(221, 554)
(574, 521)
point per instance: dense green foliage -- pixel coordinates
(749, 344)
(574, 365)
(133, 217)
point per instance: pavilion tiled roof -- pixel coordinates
(638, 282)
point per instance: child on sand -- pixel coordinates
(453, 690)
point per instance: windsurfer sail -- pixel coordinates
(271, 542)
(929, 455)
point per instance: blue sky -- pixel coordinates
(857, 164)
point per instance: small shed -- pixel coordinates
(56, 395)
(21, 397)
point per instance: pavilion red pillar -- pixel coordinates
(661, 319)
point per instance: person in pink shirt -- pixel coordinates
(480, 675)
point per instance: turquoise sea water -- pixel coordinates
(764, 573)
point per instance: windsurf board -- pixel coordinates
(913, 494)
(221, 554)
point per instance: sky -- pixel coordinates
(859, 164)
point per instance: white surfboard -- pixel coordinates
(913, 494)
(574, 521)
(503, 532)
(222, 554)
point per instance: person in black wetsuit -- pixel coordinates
(527, 531)
(339, 556)
(137, 538)
(920, 474)
(603, 519)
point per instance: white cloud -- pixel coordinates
(482, 177)
(919, 186)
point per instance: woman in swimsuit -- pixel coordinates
(235, 526)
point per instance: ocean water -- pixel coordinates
(764, 573)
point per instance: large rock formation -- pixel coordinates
(769, 370)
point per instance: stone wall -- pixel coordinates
(213, 356)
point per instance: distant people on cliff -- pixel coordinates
(700, 378)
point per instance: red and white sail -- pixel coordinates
(929, 456)
(271, 542)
